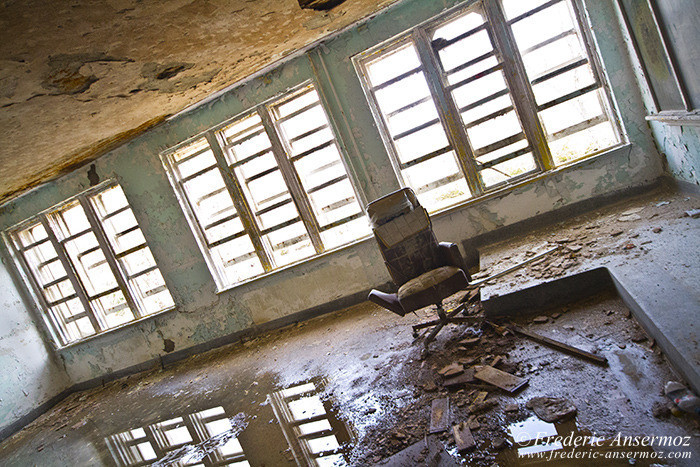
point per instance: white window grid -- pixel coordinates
(267, 189)
(205, 438)
(315, 434)
(487, 95)
(88, 265)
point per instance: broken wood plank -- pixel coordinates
(453, 369)
(466, 377)
(439, 415)
(513, 268)
(501, 379)
(471, 296)
(463, 437)
(559, 345)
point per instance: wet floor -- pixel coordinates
(535, 442)
(350, 389)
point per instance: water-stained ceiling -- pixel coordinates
(78, 78)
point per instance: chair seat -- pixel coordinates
(432, 287)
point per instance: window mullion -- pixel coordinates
(516, 77)
(75, 282)
(447, 110)
(239, 201)
(109, 255)
(291, 178)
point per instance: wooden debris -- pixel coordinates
(515, 267)
(471, 296)
(466, 377)
(470, 341)
(551, 409)
(693, 213)
(439, 415)
(480, 397)
(559, 345)
(430, 386)
(540, 319)
(482, 407)
(502, 330)
(463, 437)
(453, 369)
(501, 379)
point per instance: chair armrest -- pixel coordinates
(452, 257)
(387, 300)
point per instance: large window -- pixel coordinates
(488, 95)
(89, 265)
(267, 189)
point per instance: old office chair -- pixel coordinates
(425, 271)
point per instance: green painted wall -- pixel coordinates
(202, 315)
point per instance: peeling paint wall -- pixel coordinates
(31, 372)
(680, 145)
(203, 315)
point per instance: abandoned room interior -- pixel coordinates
(350, 232)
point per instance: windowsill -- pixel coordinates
(676, 117)
(295, 264)
(537, 176)
(112, 330)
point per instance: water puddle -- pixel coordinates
(293, 425)
(534, 442)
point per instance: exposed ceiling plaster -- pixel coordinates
(79, 78)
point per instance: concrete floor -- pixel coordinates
(374, 390)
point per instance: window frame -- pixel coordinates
(285, 163)
(56, 331)
(518, 86)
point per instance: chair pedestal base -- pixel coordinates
(443, 319)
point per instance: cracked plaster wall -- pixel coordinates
(202, 314)
(679, 145)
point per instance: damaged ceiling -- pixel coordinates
(79, 78)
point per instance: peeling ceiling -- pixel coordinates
(78, 78)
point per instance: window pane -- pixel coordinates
(572, 105)
(414, 128)
(125, 237)
(313, 150)
(478, 86)
(265, 190)
(215, 214)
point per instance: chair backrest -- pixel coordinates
(405, 236)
